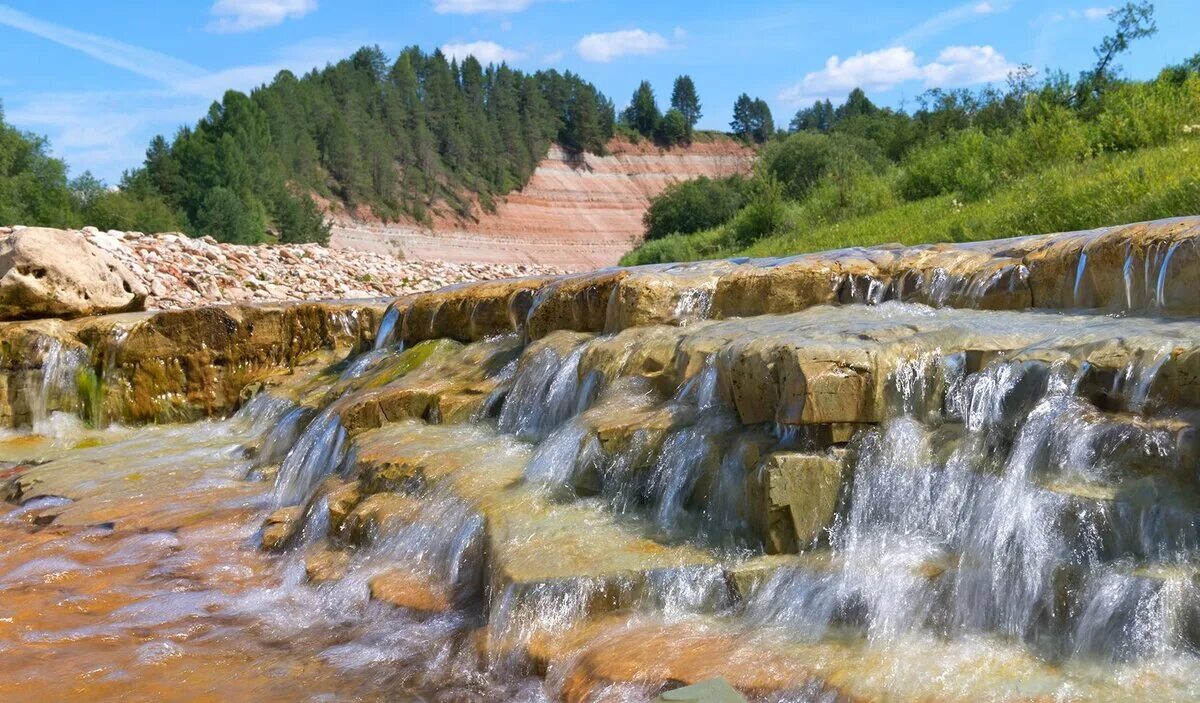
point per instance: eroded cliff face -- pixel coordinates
(578, 211)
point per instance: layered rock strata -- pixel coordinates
(167, 366)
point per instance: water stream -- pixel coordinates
(868, 502)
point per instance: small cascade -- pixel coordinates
(318, 451)
(863, 487)
(57, 388)
(385, 336)
(545, 393)
(985, 525)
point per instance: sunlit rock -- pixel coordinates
(51, 273)
(404, 589)
(794, 497)
(281, 526)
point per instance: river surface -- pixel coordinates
(1004, 531)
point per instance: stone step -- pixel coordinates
(452, 384)
(545, 560)
(171, 365)
(646, 655)
(1143, 267)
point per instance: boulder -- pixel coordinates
(794, 497)
(52, 273)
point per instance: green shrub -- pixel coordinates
(958, 163)
(1137, 115)
(1107, 190)
(129, 212)
(860, 194)
(223, 216)
(803, 159)
(690, 206)
(762, 216)
(672, 129)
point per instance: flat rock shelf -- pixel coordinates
(952, 473)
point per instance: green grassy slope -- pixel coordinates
(1107, 190)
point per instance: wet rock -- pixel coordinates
(342, 498)
(712, 691)
(414, 591)
(794, 497)
(281, 526)
(748, 576)
(666, 295)
(443, 382)
(578, 303)
(51, 273)
(326, 565)
(378, 514)
(471, 311)
(786, 287)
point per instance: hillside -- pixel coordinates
(969, 167)
(576, 212)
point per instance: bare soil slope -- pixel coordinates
(577, 212)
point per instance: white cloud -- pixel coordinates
(486, 51)
(887, 68)
(877, 70)
(606, 46)
(553, 57)
(1091, 14)
(247, 15)
(475, 7)
(966, 65)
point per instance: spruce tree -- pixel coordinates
(686, 101)
(642, 114)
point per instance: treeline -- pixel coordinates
(34, 190)
(642, 117)
(837, 166)
(394, 137)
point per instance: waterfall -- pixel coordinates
(385, 335)
(318, 452)
(57, 386)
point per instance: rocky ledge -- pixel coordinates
(1141, 268)
(178, 271)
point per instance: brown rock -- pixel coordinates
(281, 526)
(409, 590)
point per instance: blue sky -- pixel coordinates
(100, 79)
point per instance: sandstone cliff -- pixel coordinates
(577, 211)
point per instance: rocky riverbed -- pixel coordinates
(952, 473)
(180, 272)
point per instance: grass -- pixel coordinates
(1105, 190)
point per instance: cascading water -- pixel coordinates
(318, 451)
(879, 500)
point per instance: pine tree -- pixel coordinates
(742, 124)
(686, 101)
(397, 137)
(642, 114)
(673, 128)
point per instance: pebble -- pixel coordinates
(180, 272)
